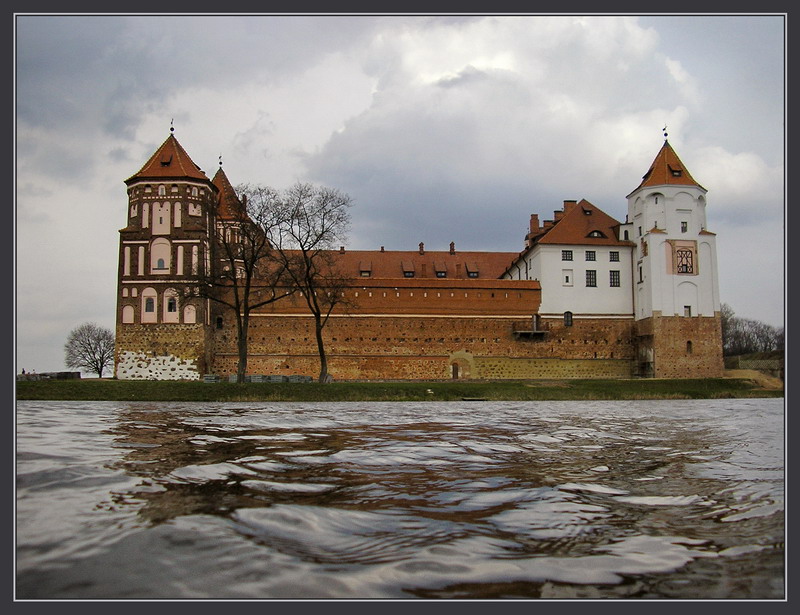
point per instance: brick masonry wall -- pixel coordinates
(404, 347)
(663, 339)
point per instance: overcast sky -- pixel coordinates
(441, 128)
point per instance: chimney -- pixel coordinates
(557, 215)
(568, 205)
(452, 247)
(547, 224)
(534, 223)
(421, 248)
(381, 248)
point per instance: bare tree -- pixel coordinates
(90, 347)
(244, 275)
(313, 221)
(746, 336)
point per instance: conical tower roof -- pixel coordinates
(229, 206)
(667, 169)
(170, 161)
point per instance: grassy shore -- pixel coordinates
(144, 390)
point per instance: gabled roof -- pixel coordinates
(667, 169)
(229, 207)
(578, 225)
(170, 161)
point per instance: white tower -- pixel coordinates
(676, 288)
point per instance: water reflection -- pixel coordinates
(434, 500)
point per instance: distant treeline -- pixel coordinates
(746, 336)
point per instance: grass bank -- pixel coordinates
(144, 390)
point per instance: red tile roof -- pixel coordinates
(229, 207)
(392, 264)
(576, 225)
(667, 169)
(170, 161)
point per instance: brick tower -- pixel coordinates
(162, 333)
(676, 289)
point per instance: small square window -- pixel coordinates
(591, 255)
(613, 256)
(566, 255)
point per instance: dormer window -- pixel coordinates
(166, 161)
(595, 234)
(675, 172)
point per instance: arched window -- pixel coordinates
(162, 190)
(160, 253)
(190, 314)
(149, 313)
(127, 314)
(567, 319)
(171, 313)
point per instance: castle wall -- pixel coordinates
(427, 347)
(680, 347)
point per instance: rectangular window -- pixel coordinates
(684, 227)
(591, 255)
(566, 255)
(613, 256)
(685, 261)
(591, 277)
(613, 278)
(641, 279)
(687, 310)
(566, 277)
(640, 231)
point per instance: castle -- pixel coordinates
(587, 297)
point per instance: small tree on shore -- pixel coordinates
(90, 348)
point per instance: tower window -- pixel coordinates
(689, 347)
(626, 235)
(160, 264)
(149, 305)
(441, 274)
(172, 304)
(219, 322)
(685, 261)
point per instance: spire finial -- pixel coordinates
(171, 126)
(220, 161)
(665, 132)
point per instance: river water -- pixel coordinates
(472, 500)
